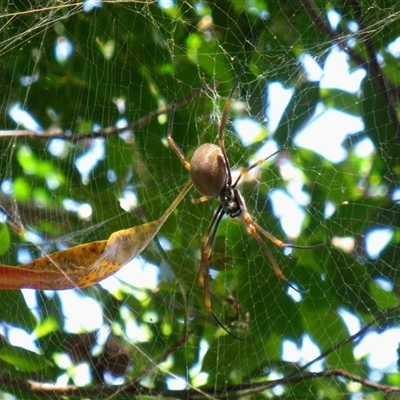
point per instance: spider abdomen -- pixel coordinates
(208, 170)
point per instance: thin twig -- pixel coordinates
(350, 339)
(374, 67)
(316, 16)
(51, 390)
(371, 65)
(109, 131)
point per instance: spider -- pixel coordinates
(211, 175)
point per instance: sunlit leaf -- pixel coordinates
(87, 264)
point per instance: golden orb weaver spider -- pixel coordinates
(211, 175)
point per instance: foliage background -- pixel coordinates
(143, 56)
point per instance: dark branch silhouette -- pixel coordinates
(109, 131)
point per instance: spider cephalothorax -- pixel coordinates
(230, 202)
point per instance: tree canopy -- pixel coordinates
(102, 231)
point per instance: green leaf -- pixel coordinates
(5, 239)
(23, 359)
(14, 310)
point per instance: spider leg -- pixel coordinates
(171, 141)
(272, 238)
(281, 244)
(253, 227)
(260, 229)
(223, 123)
(206, 247)
(244, 171)
(204, 274)
(201, 200)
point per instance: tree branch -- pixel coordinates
(109, 131)
(50, 390)
(371, 65)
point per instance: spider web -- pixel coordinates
(88, 89)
